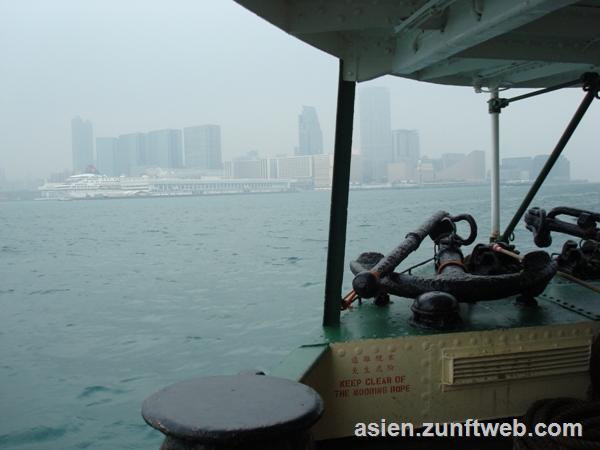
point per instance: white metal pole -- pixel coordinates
(495, 174)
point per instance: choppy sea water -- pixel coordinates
(104, 302)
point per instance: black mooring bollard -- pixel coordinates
(241, 412)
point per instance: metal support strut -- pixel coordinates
(495, 173)
(339, 199)
(591, 84)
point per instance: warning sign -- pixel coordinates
(357, 387)
(373, 373)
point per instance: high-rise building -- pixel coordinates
(560, 172)
(82, 144)
(131, 154)
(310, 137)
(106, 156)
(405, 147)
(164, 149)
(375, 132)
(202, 147)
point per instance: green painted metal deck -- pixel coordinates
(563, 302)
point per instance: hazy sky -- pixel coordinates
(139, 65)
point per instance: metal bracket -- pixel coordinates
(495, 105)
(589, 80)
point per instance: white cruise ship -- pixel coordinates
(90, 186)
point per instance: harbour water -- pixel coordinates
(104, 302)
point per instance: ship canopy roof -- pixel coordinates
(480, 43)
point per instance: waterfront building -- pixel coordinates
(202, 147)
(173, 187)
(308, 170)
(405, 147)
(461, 167)
(322, 170)
(526, 168)
(82, 144)
(294, 167)
(425, 171)
(398, 172)
(560, 172)
(131, 154)
(448, 160)
(57, 177)
(272, 164)
(164, 149)
(248, 167)
(375, 132)
(310, 136)
(515, 169)
(356, 169)
(106, 156)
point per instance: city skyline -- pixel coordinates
(255, 96)
(132, 154)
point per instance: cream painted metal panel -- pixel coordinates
(449, 377)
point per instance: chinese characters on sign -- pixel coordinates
(372, 374)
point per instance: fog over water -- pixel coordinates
(142, 65)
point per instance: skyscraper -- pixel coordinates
(164, 149)
(202, 147)
(309, 133)
(131, 154)
(106, 155)
(375, 132)
(405, 147)
(82, 144)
